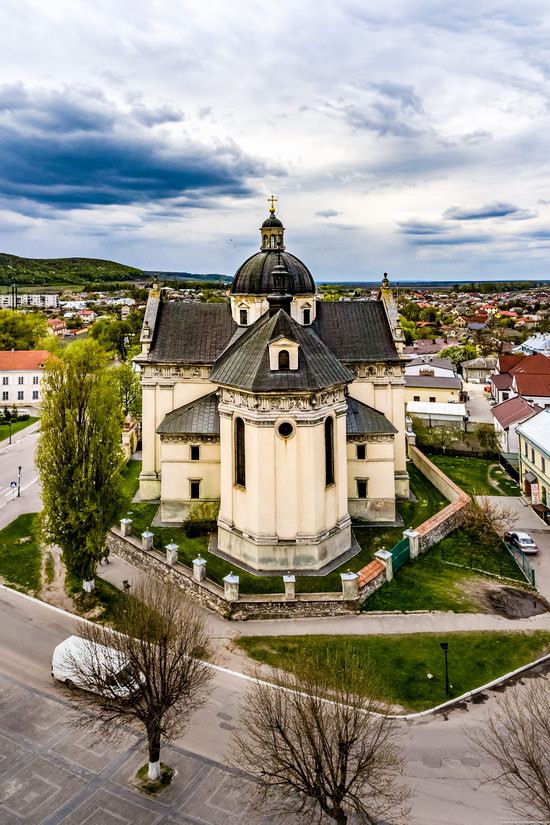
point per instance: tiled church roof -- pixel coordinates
(199, 417)
(362, 419)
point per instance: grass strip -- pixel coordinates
(402, 665)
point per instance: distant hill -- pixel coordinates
(189, 276)
(38, 271)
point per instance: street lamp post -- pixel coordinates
(19, 481)
(445, 648)
(9, 424)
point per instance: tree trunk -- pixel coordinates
(154, 756)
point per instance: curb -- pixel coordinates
(245, 677)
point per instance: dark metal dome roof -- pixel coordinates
(272, 221)
(255, 276)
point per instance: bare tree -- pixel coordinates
(444, 437)
(516, 738)
(158, 676)
(319, 747)
(486, 518)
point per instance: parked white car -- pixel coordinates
(74, 658)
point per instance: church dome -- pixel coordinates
(272, 221)
(255, 276)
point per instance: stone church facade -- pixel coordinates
(285, 411)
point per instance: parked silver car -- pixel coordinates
(522, 541)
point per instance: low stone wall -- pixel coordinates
(211, 595)
(448, 519)
(436, 476)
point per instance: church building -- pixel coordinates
(285, 411)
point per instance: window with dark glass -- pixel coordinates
(361, 488)
(416, 398)
(329, 451)
(195, 487)
(284, 360)
(432, 399)
(307, 316)
(195, 452)
(240, 472)
(243, 317)
(361, 451)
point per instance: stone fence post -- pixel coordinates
(350, 585)
(290, 586)
(231, 587)
(386, 558)
(171, 553)
(126, 526)
(147, 540)
(414, 542)
(199, 569)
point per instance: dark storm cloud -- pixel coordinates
(69, 150)
(488, 211)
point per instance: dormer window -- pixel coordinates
(307, 317)
(283, 355)
(243, 317)
(284, 360)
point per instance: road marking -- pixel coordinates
(10, 492)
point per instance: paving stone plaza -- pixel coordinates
(51, 774)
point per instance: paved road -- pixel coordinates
(539, 531)
(20, 453)
(55, 776)
(478, 406)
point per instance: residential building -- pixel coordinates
(507, 416)
(431, 366)
(57, 326)
(525, 375)
(478, 370)
(438, 414)
(30, 300)
(20, 378)
(534, 456)
(432, 388)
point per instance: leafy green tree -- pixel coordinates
(80, 457)
(458, 354)
(21, 330)
(487, 437)
(128, 387)
(112, 335)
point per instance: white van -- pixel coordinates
(75, 657)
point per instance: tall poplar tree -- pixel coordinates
(80, 457)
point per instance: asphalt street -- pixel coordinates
(20, 453)
(441, 763)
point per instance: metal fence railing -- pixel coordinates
(400, 554)
(522, 562)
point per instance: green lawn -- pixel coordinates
(429, 501)
(20, 554)
(400, 664)
(428, 583)
(15, 427)
(477, 476)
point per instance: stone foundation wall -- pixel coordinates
(211, 595)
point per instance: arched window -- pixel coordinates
(240, 473)
(284, 360)
(265, 240)
(329, 451)
(272, 241)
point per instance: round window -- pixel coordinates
(285, 429)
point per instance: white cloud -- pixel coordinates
(383, 114)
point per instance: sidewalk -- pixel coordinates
(364, 624)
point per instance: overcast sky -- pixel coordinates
(414, 140)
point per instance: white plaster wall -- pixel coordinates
(256, 306)
(299, 302)
(178, 469)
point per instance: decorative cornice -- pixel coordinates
(189, 438)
